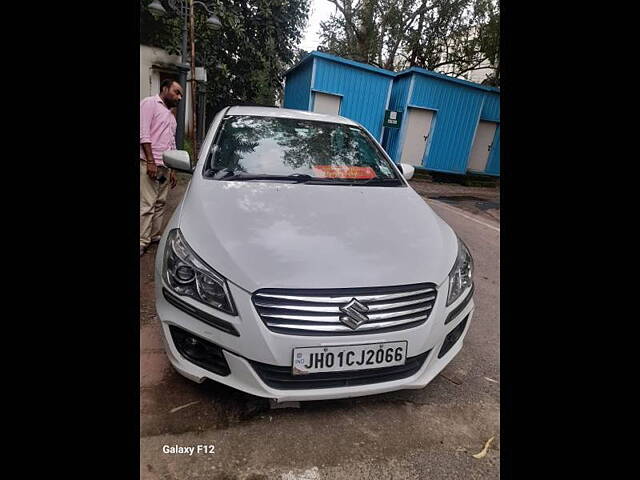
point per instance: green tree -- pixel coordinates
(247, 57)
(449, 36)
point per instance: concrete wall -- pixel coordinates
(150, 77)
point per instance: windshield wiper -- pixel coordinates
(378, 181)
(296, 177)
(228, 174)
(355, 183)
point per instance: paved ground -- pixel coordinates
(481, 201)
(428, 433)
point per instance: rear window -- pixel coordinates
(281, 146)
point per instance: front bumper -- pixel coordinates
(256, 343)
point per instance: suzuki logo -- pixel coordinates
(355, 314)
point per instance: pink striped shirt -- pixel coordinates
(157, 127)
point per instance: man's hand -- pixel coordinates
(152, 170)
(173, 180)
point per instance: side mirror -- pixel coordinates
(177, 160)
(407, 170)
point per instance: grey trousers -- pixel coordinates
(153, 199)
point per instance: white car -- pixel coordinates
(300, 264)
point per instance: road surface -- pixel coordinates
(428, 433)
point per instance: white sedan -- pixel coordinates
(300, 264)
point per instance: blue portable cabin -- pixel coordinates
(330, 84)
(447, 124)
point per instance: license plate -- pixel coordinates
(339, 358)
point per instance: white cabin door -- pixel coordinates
(417, 136)
(325, 103)
(482, 146)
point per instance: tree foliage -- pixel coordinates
(247, 57)
(449, 36)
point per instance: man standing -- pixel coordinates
(157, 135)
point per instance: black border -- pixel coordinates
(75, 237)
(72, 229)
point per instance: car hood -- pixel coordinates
(280, 235)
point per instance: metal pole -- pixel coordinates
(202, 102)
(193, 85)
(183, 82)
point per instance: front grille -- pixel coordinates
(281, 378)
(317, 311)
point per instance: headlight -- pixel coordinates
(460, 275)
(189, 276)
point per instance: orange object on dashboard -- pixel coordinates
(331, 171)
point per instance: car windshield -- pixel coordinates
(254, 147)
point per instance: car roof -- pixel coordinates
(289, 113)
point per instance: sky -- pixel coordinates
(320, 10)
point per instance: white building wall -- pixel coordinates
(476, 76)
(479, 75)
(150, 77)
